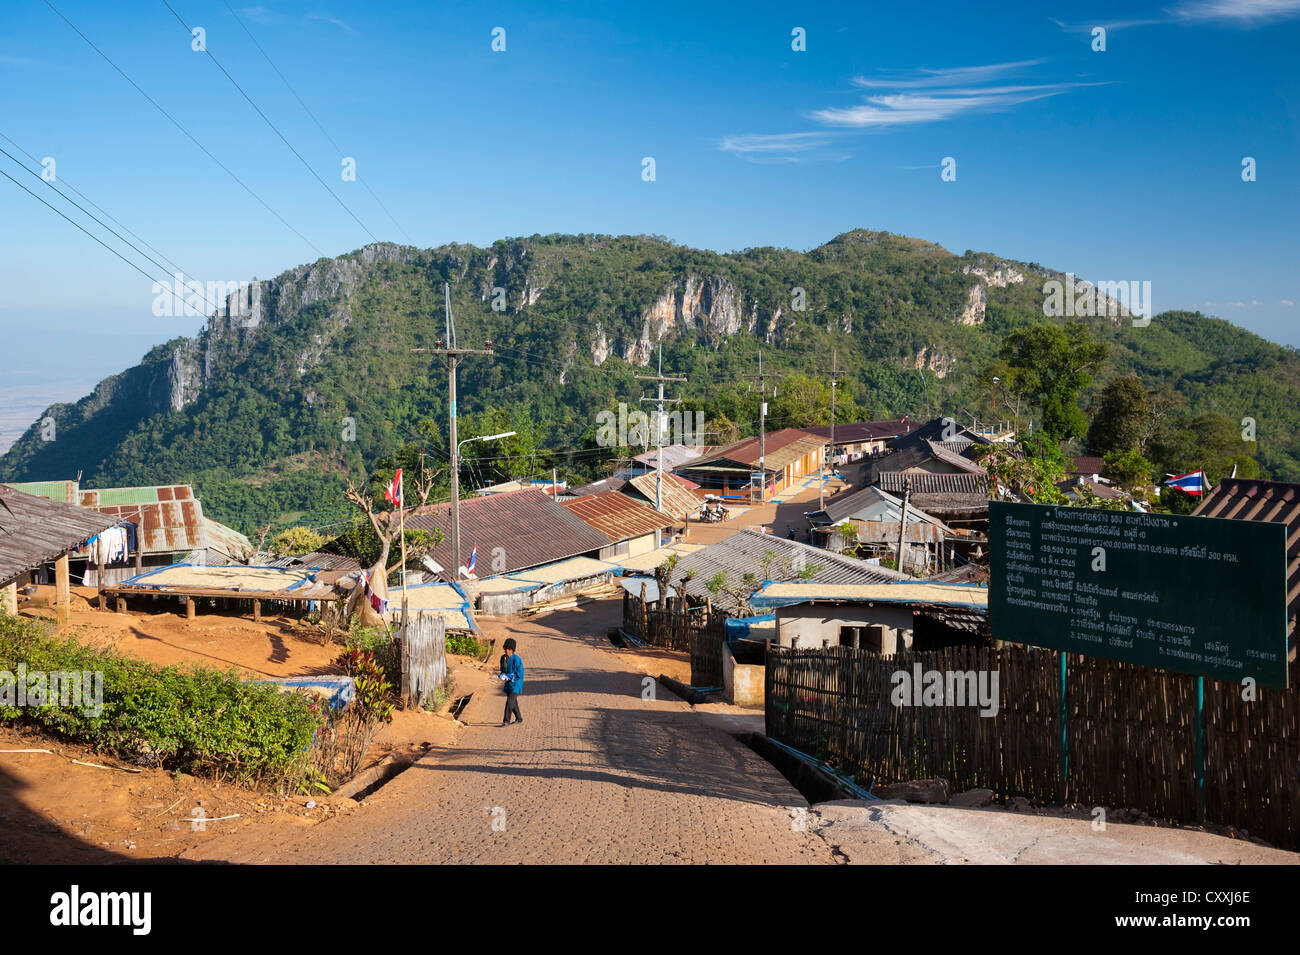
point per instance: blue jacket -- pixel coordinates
(515, 671)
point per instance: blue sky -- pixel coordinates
(1116, 165)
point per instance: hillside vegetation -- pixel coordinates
(268, 415)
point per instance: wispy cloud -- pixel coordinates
(955, 76)
(777, 142)
(922, 95)
(782, 147)
(907, 109)
(1233, 13)
(1240, 12)
(328, 18)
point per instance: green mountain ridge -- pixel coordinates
(269, 412)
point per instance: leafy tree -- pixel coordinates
(1121, 419)
(804, 400)
(1050, 365)
(296, 540)
(1127, 468)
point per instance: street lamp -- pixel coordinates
(455, 497)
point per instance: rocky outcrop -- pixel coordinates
(973, 313)
(931, 360)
(184, 378)
(710, 305)
(996, 276)
(600, 347)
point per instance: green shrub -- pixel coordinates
(196, 720)
(464, 644)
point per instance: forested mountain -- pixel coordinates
(268, 412)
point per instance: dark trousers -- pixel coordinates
(512, 706)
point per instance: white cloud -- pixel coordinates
(959, 75)
(776, 142)
(905, 109)
(1238, 12)
(1287, 302)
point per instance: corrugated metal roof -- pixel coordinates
(747, 552)
(528, 526)
(617, 516)
(678, 501)
(163, 493)
(914, 593)
(65, 492)
(927, 482)
(596, 487)
(1240, 499)
(782, 447)
(675, 455)
(35, 530)
(869, 503)
(859, 431)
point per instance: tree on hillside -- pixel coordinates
(296, 540)
(804, 400)
(1212, 441)
(1050, 365)
(1121, 418)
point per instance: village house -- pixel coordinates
(165, 524)
(733, 472)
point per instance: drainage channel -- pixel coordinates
(816, 782)
(460, 705)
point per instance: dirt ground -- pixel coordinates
(54, 810)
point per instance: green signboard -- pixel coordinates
(1197, 595)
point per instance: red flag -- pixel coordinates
(394, 493)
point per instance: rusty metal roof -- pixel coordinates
(678, 500)
(512, 530)
(1240, 499)
(35, 530)
(158, 494)
(617, 516)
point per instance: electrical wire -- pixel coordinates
(175, 122)
(275, 129)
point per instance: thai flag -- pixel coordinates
(473, 558)
(394, 493)
(1193, 482)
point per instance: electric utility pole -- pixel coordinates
(446, 347)
(835, 380)
(659, 427)
(761, 378)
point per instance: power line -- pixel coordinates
(137, 250)
(187, 133)
(337, 148)
(79, 226)
(60, 181)
(274, 128)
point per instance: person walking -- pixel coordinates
(514, 680)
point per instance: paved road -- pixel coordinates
(595, 774)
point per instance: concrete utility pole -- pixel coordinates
(761, 378)
(659, 427)
(446, 347)
(835, 380)
(902, 523)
